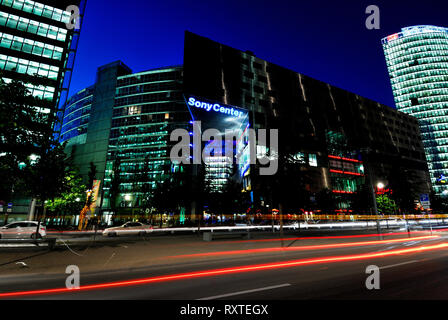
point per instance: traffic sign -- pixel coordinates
(424, 200)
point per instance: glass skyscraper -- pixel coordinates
(35, 40)
(417, 61)
(39, 38)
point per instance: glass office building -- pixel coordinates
(123, 123)
(417, 61)
(126, 117)
(76, 117)
(35, 40)
(148, 107)
(343, 140)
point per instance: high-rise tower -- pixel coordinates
(417, 61)
(40, 38)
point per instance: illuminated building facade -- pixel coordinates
(35, 40)
(126, 117)
(342, 137)
(124, 121)
(417, 61)
(148, 107)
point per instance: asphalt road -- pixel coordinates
(408, 275)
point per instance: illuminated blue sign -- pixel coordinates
(215, 107)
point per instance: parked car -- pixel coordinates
(22, 230)
(129, 228)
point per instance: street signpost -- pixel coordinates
(424, 200)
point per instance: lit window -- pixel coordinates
(312, 158)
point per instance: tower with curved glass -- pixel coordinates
(417, 61)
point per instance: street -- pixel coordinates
(327, 266)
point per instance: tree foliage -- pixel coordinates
(32, 162)
(73, 199)
(385, 204)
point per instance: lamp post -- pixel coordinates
(372, 190)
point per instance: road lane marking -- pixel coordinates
(113, 254)
(245, 291)
(399, 264)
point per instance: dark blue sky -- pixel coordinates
(326, 40)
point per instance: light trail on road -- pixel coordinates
(370, 235)
(230, 270)
(302, 248)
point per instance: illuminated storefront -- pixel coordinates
(232, 123)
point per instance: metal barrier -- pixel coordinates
(51, 242)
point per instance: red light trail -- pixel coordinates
(231, 270)
(334, 237)
(302, 248)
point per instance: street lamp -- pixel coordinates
(380, 185)
(369, 173)
(128, 197)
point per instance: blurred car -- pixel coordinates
(129, 228)
(22, 230)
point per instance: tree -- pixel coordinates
(72, 200)
(47, 177)
(385, 204)
(32, 162)
(20, 129)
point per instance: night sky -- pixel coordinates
(326, 40)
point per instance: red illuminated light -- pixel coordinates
(392, 37)
(345, 159)
(335, 237)
(302, 248)
(346, 172)
(223, 271)
(342, 191)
